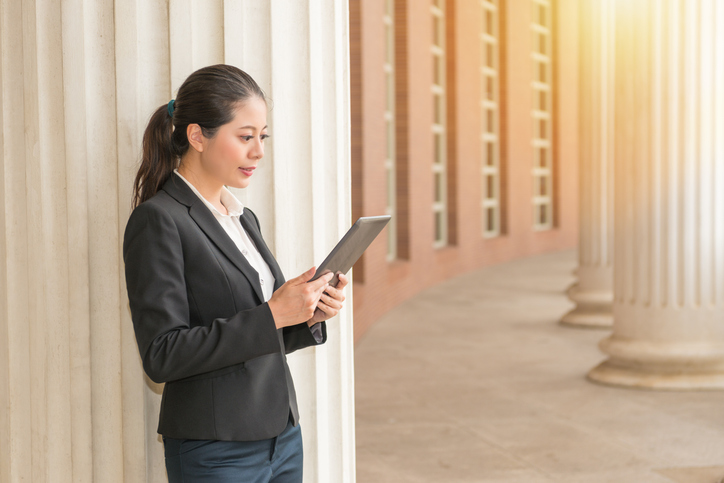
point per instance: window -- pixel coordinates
(542, 114)
(439, 123)
(490, 112)
(390, 165)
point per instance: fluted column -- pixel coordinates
(593, 291)
(669, 250)
(79, 80)
(298, 51)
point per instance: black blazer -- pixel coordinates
(202, 325)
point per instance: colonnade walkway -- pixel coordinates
(473, 380)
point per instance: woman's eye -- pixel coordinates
(264, 136)
(247, 138)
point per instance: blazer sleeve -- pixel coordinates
(298, 336)
(170, 348)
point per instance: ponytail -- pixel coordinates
(158, 159)
(208, 97)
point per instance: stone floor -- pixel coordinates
(473, 380)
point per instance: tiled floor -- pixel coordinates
(474, 381)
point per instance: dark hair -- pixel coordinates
(208, 98)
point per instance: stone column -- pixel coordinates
(299, 52)
(593, 292)
(669, 210)
(79, 80)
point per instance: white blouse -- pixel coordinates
(232, 226)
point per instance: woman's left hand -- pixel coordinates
(331, 301)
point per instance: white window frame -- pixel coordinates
(542, 115)
(439, 125)
(490, 109)
(390, 159)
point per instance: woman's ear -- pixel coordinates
(195, 137)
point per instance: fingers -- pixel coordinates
(321, 282)
(313, 291)
(329, 304)
(335, 293)
(301, 300)
(332, 302)
(343, 280)
(305, 277)
(329, 311)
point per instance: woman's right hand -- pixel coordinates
(294, 302)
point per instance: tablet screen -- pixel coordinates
(351, 246)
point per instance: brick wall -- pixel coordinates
(381, 284)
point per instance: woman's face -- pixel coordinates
(232, 155)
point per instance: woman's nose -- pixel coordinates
(258, 150)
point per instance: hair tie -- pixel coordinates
(170, 107)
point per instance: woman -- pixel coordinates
(212, 314)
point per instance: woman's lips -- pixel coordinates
(248, 171)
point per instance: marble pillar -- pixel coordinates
(79, 80)
(299, 52)
(669, 203)
(593, 291)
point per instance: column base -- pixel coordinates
(580, 318)
(682, 366)
(610, 374)
(594, 308)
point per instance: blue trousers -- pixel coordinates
(276, 460)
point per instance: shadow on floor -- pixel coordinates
(473, 380)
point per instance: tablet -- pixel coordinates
(351, 246)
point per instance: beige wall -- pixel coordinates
(388, 283)
(79, 80)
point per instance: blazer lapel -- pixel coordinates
(213, 230)
(251, 229)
